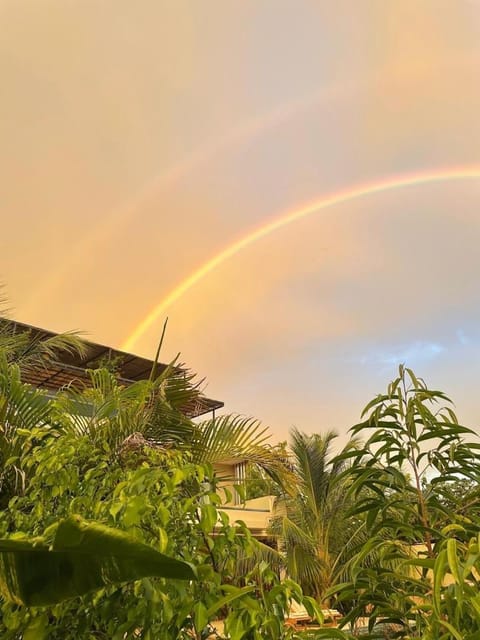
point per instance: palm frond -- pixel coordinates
(171, 393)
(303, 562)
(229, 437)
(316, 528)
(27, 349)
(107, 411)
(312, 457)
(88, 410)
(22, 408)
(259, 552)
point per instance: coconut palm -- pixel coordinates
(315, 530)
(150, 412)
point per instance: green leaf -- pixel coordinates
(84, 556)
(208, 517)
(134, 511)
(453, 560)
(453, 631)
(162, 539)
(439, 574)
(200, 616)
(230, 597)
(313, 609)
(37, 629)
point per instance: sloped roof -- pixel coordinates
(69, 368)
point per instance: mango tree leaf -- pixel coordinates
(230, 597)
(84, 556)
(200, 616)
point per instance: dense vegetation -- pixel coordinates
(127, 459)
(415, 484)
(386, 530)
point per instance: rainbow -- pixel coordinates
(236, 137)
(339, 197)
(229, 141)
(162, 182)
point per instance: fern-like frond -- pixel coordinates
(260, 552)
(29, 349)
(237, 438)
(22, 409)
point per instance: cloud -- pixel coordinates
(412, 353)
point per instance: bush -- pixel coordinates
(163, 499)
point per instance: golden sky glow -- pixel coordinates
(399, 182)
(154, 155)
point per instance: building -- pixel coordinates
(70, 368)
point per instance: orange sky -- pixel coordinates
(140, 139)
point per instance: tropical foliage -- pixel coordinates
(81, 557)
(260, 483)
(26, 349)
(111, 525)
(102, 487)
(164, 500)
(314, 526)
(425, 578)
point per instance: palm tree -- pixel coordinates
(149, 412)
(315, 531)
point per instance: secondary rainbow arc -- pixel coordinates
(339, 197)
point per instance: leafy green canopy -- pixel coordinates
(122, 470)
(164, 500)
(82, 557)
(423, 536)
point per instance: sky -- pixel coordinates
(140, 140)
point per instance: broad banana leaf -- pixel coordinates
(84, 556)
